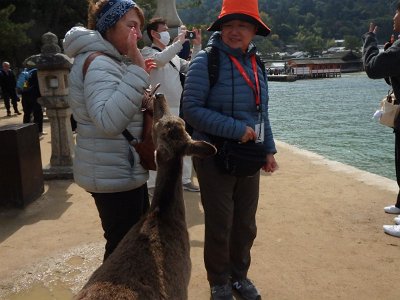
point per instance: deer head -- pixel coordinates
(170, 136)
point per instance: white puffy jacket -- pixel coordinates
(168, 75)
(105, 103)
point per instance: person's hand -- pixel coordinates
(249, 135)
(181, 37)
(373, 28)
(197, 40)
(149, 64)
(133, 51)
(389, 43)
(271, 165)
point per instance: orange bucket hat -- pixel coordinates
(240, 10)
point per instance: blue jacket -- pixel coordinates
(209, 111)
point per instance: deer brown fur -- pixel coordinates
(153, 259)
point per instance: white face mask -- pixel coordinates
(164, 37)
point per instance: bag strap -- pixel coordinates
(213, 67)
(89, 60)
(170, 62)
(213, 64)
(129, 137)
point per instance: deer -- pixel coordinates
(153, 261)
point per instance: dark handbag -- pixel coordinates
(240, 159)
(146, 147)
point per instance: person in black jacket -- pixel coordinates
(30, 94)
(8, 84)
(386, 65)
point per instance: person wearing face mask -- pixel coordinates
(167, 72)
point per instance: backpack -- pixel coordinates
(213, 73)
(23, 79)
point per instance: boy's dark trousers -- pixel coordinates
(397, 163)
(14, 100)
(31, 106)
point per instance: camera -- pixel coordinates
(190, 35)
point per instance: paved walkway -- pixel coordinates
(319, 234)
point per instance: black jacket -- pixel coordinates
(379, 65)
(7, 81)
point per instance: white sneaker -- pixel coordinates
(150, 191)
(397, 220)
(391, 209)
(393, 230)
(190, 187)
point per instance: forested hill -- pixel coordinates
(329, 19)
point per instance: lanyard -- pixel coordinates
(256, 89)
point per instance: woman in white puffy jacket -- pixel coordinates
(104, 102)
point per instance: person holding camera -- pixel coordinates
(170, 72)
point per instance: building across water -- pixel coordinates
(315, 67)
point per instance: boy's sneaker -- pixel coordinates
(221, 292)
(246, 289)
(393, 230)
(190, 187)
(391, 209)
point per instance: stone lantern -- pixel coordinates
(53, 69)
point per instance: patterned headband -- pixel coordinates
(111, 13)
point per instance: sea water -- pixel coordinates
(333, 117)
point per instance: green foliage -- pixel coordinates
(20, 39)
(312, 23)
(12, 35)
(310, 40)
(352, 42)
(148, 6)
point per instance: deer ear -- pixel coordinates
(200, 148)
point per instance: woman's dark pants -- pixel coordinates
(119, 212)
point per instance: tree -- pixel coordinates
(310, 40)
(12, 35)
(352, 42)
(149, 7)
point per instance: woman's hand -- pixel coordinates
(271, 165)
(249, 135)
(373, 28)
(149, 64)
(133, 51)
